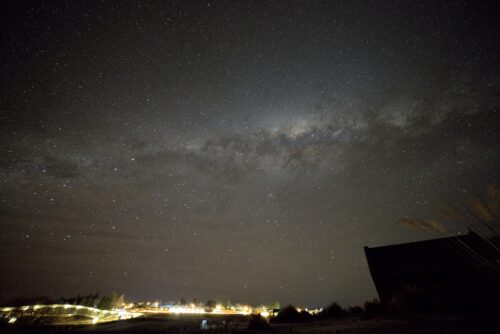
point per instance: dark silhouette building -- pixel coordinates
(447, 275)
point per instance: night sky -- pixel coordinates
(241, 150)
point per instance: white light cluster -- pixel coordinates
(186, 310)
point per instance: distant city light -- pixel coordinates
(133, 310)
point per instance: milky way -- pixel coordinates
(239, 150)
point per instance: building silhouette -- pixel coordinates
(446, 275)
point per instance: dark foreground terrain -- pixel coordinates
(238, 324)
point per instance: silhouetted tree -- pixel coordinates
(119, 301)
(334, 310)
(210, 305)
(356, 311)
(287, 314)
(256, 322)
(108, 302)
(291, 314)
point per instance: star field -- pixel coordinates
(242, 150)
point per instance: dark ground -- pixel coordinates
(237, 324)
